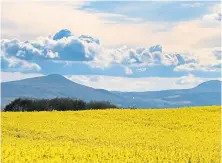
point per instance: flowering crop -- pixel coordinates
(186, 135)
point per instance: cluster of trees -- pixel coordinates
(59, 104)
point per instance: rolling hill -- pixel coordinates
(207, 93)
(54, 85)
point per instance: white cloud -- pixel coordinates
(137, 84)
(68, 48)
(140, 57)
(51, 54)
(192, 5)
(128, 71)
(12, 76)
(217, 53)
(206, 59)
(190, 79)
(215, 15)
(16, 64)
(72, 48)
(190, 67)
(141, 69)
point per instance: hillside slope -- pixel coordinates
(52, 86)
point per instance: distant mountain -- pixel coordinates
(207, 93)
(51, 86)
(209, 86)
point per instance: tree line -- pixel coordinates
(58, 104)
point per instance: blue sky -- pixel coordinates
(153, 11)
(132, 42)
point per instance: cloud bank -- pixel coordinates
(65, 47)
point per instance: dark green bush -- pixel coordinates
(100, 105)
(59, 104)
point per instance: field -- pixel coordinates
(186, 135)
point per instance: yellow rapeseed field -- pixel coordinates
(186, 135)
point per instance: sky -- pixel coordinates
(118, 45)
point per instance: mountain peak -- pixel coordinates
(56, 78)
(211, 82)
(211, 85)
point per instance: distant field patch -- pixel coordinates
(188, 135)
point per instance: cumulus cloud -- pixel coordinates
(15, 64)
(61, 34)
(189, 79)
(215, 15)
(147, 56)
(207, 60)
(217, 52)
(63, 46)
(128, 71)
(66, 47)
(197, 67)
